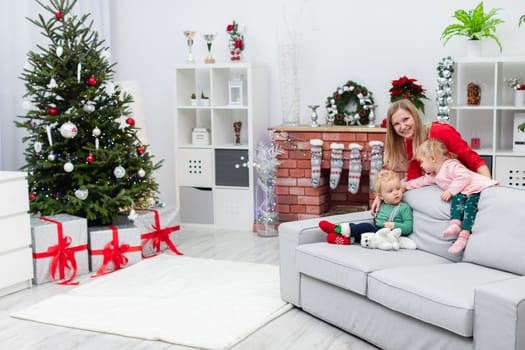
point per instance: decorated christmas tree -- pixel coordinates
(83, 154)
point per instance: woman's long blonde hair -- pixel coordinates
(395, 157)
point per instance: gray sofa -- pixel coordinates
(423, 298)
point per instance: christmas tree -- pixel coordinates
(83, 154)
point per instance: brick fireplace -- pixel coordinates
(296, 199)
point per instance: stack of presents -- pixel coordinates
(64, 247)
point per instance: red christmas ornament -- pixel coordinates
(90, 158)
(140, 149)
(52, 111)
(130, 121)
(58, 15)
(92, 81)
(32, 196)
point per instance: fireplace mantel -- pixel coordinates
(296, 198)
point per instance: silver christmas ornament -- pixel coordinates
(119, 172)
(68, 167)
(68, 130)
(38, 146)
(89, 107)
(81, 194)
(141, 172)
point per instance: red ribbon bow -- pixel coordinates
(63, 256)
(113, 252)
(159, 235)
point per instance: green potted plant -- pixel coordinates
(205, 101)
(193, 98)
(475, 24)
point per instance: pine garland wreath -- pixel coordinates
(445, 69)
(353, 94)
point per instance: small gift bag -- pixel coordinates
(60, 250)
(113, 247)
(158, 227)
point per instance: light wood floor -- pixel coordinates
(295, 330)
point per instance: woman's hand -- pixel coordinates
(375, 206)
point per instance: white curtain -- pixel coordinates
(17, 37)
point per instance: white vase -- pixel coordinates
(473, 48)
(519, 98)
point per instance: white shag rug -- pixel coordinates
(202, 303)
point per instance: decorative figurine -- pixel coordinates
(237, 129)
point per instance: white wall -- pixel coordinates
(371, 42)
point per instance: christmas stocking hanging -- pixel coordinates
(336, 163)
(376, 160)
(355, 167)
(316, 150)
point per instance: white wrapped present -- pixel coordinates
(60, 250)
(158, 227)
(113, 247)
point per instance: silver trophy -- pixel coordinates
(189, 34)
(371, 116)
(314, 116)
(208, 37)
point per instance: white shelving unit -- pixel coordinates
(215, 182)
(492, 121)
(15, 234)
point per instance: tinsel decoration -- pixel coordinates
(445, 69)
(265, 162)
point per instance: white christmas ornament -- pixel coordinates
(81, 194)
(141, 172)
(52, 84)
(133, 215)
(96, 132)
(68, 167)
(59, 51)
(68, 130)
(51, 157)
(89, 107)
(38, 146)
(119, 172)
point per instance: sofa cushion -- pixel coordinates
(347, 266)
(431, 218)
(498, 234)
(441, 294)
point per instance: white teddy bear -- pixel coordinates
(387, 239)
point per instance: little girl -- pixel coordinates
(458, 182)
(393, 213)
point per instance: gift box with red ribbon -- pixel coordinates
(158, 227)
(60, 250)
(113, 247)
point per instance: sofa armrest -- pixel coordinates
(295, 233)
(499, 315)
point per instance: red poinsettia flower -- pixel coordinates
(406, 88)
